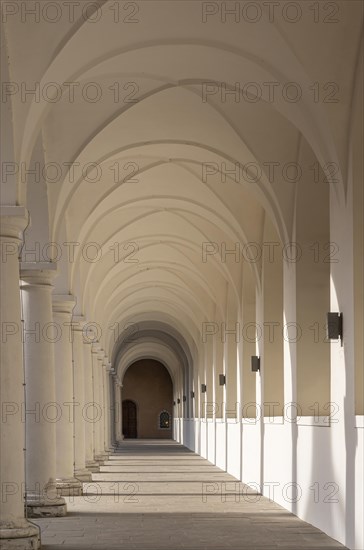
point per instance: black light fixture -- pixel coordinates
(184, 398)
(222, 379)
(255, 362)
(203, 388)
(192, 394)
(178, 401)
(334, 326)
(174, 403)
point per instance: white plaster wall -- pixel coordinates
(182, 431)
(176, 430)
(188, 433)
(197, 441)
(278, 466)
(233, 456)
(203, 436)
(314, 466)
(250, 453)
(307, 486)
(221, 444)
(359, 487)
(211, 441)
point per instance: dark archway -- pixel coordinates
(130, 419)
(148, 384)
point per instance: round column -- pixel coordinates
(15, 531)
(117, 400)
(66, 483)
(91, 410)
(81, 472)
(95, 350)
(41, 410)
(113, 411)
(100, 382)
(121, 411)
(107, 409)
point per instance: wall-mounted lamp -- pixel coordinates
(335, 326)
(255, 362)
(203, 388)
(174, 403)
(222, 379)
(192, 394)
(184, 398)
(178, 401)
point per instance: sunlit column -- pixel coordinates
(90, 409)
(95, 350)
(100, 384)
(15, 530)
(81, 472)
(107, 410)
(118, 426)
(66, 483)
(42, 411)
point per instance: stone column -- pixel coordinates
(66, 483)
(113, 411)
(15, 531)
(95, 351)
(42, 412)
(121, 411)
(107, 409)
(100, 383)
(117, 405)
(81, 473)
(90, 411)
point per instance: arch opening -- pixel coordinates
(147, 398)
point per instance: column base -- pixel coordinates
(69, 487)
(83, 475)
(41, 506)
(101, 457)
(19, 535)
(93, 466)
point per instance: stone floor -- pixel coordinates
(160, 496)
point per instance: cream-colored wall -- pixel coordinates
(358, 233)
(248, 400)
(313, 290)
(273, 330)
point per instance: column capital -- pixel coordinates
(38, 273)
(80, 324)
(13, 221)
(63, 303)
(101, 355)
(80, 320)
(117, 380)
(106, 362)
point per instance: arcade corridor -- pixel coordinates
(181, 231)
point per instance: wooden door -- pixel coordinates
(129, 419)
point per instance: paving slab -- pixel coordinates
(158, 495)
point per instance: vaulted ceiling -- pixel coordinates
(166, 137)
